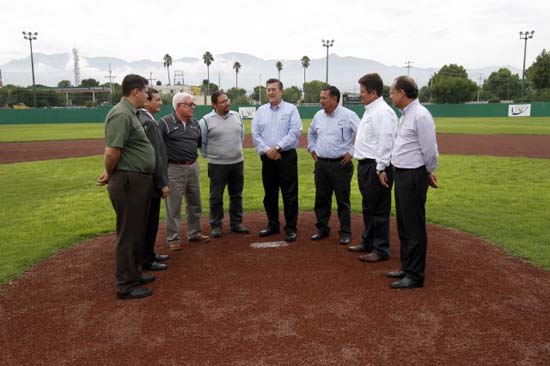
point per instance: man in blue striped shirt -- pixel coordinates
(330, 142)
(276, 130)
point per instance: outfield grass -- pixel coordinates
(74, 131)
(49, 205)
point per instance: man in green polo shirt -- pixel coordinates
(129, 164)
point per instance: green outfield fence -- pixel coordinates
(94, 115)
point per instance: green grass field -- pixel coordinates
(49, 205)
(74, 131)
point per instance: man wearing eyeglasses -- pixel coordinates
(182, 137)
(222, 135)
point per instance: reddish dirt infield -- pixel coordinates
(311, 303)
(535, 146)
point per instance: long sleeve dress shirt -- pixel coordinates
(278, 125)
(331, 135)
(376, 134)
(415, 142)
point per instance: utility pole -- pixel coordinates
(31, 36)
(479, 89)
(151, 79)
(110, 77)
(327, 44)
(408, 66)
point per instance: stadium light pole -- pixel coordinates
(327, 43)
(32, 37)
(524, 36)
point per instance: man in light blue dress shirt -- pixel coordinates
(414, 158)
(330, 142)
(276, 130)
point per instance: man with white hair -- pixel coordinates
(182, 137)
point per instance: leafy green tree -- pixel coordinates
(425, 94)
(208, 87)
(292, 94)
(235, 93)
(279, 66)
(312, 91)
(237, 66)
(256, 94)
(167, 63)
(503, 84)
(159, 83)
(451, 85)
(89, 83)
(64, 84)
(538, 73)
(305, 64)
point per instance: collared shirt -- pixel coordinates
(278, 125)
(376, 133)
(222, 138)
(124, 131)
(331, 135)
(181, 139)
(415, 143)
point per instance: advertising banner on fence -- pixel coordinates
(519, 110)
(247, 112)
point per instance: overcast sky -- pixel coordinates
(430, 33)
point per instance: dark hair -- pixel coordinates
(333, 92)
(150, 93)
(408, 85)
(372, 82)
(214, 97)
(272, 80)
(131, 82)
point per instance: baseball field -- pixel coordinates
(486, 298)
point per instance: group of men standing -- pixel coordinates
(146, 160)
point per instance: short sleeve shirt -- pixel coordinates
(124, 130)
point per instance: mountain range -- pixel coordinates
(343, 71)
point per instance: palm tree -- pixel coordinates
(279, 66)
(207, 58)
(237, 66)
(305, 65)
(167, 63)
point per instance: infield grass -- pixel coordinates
(49, 205)
(473, 125)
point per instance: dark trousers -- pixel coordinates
(130, 196)
(152, 230)
(281, 174)
(221, 175)
(376, 202)
(331, 176)
(411, 187)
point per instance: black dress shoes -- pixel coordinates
(161, 257)
(357, 248)
(319, 235)
(268, 231)
(345, 240)
(372, 258)
(134, 293)
(406, 283)
(147, 278)
(395, 274)
(290, 236)
(240, 229)
(156, 266)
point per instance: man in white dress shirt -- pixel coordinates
(373, 146)
(414, 158)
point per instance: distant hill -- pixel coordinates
(343, 71)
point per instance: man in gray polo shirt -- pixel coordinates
(182, 136)
(222, 135)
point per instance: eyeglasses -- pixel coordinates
(190, 105)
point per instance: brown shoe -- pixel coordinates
(372, 257)
(174, 245)
(200, 238)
